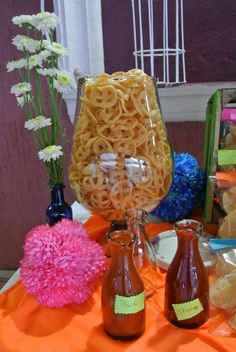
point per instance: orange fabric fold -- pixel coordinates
(227, 176)
(26, 326)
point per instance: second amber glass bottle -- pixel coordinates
(123, 296)
(187, 287)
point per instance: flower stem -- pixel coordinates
(38, 89)
(54, 112)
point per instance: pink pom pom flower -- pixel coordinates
(61, 265)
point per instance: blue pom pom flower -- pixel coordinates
(186, 192)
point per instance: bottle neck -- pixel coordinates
(121, 245)
(136, 220)
(57, 194)
(122, 258)
(187, 243)
(138, 228)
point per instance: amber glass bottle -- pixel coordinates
(123, 297)
(187, 287)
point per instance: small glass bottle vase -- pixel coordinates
(123, 296)
(144, 253)
(58, 208)
(187, 286)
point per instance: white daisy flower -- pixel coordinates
(46, 43)
(45, 21)
(23, 100)
(52, 152)
(20, 101)
(37, 123)
(44, 54)
(16, 64)
(21, 88)
(22, 42)
(63, 81)
(23, 19)
(55, 48)
(34, 60)
(52, 72)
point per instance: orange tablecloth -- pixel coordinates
(25, 326)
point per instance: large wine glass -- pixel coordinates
(121, 158)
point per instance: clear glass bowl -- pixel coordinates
(121, 158)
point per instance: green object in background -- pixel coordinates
(212, 126)
(227, 157)
(212, 156)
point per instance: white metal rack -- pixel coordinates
(159, 61)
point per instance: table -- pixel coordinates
(27, 326)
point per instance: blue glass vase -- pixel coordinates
(58, 209)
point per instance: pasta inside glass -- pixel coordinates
(121, 158)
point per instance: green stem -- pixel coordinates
(28, 80)
(54, 172)
(38, 91)
(27, 71)
(55, 169)
(41, 44)
(27, 107)
(33, 104)
(54, 112)
(21, 75)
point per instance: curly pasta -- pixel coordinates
(120, 156)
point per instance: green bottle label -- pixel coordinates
(129, 305)
(188, 310)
